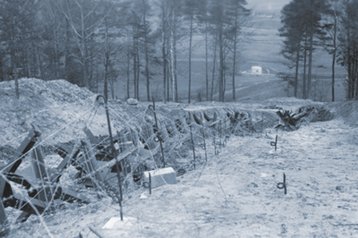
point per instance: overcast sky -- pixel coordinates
(267, 5)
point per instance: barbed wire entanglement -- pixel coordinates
(146, 138)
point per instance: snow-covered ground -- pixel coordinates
(234, 194)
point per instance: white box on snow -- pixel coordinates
(161, 176)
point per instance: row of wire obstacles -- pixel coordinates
(29, 185)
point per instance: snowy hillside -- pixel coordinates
(232, 194)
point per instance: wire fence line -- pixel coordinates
(175, 142)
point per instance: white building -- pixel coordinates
(257, 70)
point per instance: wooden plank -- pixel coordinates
(39, 168)
(20, 202)
(65, 163)
(23, 149)
(28, 142)
(69, 195)
(38, 164)
(90, 136)
(26, 145)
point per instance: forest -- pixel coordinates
(328, 24)
(89, 42)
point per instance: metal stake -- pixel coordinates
(193, 146)
(283, 185)
(120, 198)
(150, 184)
(206, 154)
(274, 143)
(112, 146)
(160, 139)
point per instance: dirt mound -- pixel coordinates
(49, 105)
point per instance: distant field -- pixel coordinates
(267, 6)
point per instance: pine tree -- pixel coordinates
(192, 10)
(301, 21)
(348, 46)
(329, 39)
(292, 30)
(223, 16)
(238, 13)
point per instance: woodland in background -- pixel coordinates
(309, 24)
(89, 41)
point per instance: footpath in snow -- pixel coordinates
(235, 195)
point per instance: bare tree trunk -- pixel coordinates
(168, 70)
(137, 70)
(136, 66)
(173, 53)
(67, 50)
(334, 57)
(128, 73)
(175, 65)
(2, 76)
(106, 59)
(83, 32)
(38, 62)
(113, 85)
(304, 87)
(164, 56)
(13, 63)
(164, 41)
(26, 61)
(128, 65)
(224, 86)
(134, 72)
(56, 61)
(349, 66)
(222, 64)
(213, 70)
(234, 59)
(297, 69)
(91, 63)
(83, 49)
(356, 72)
(17, 91)
(147, 76)
(349, 83)
(172, 66)
(190, 54)
(354, 80)
(310, 61)
(206, 61)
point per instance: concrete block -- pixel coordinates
(161, 176)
